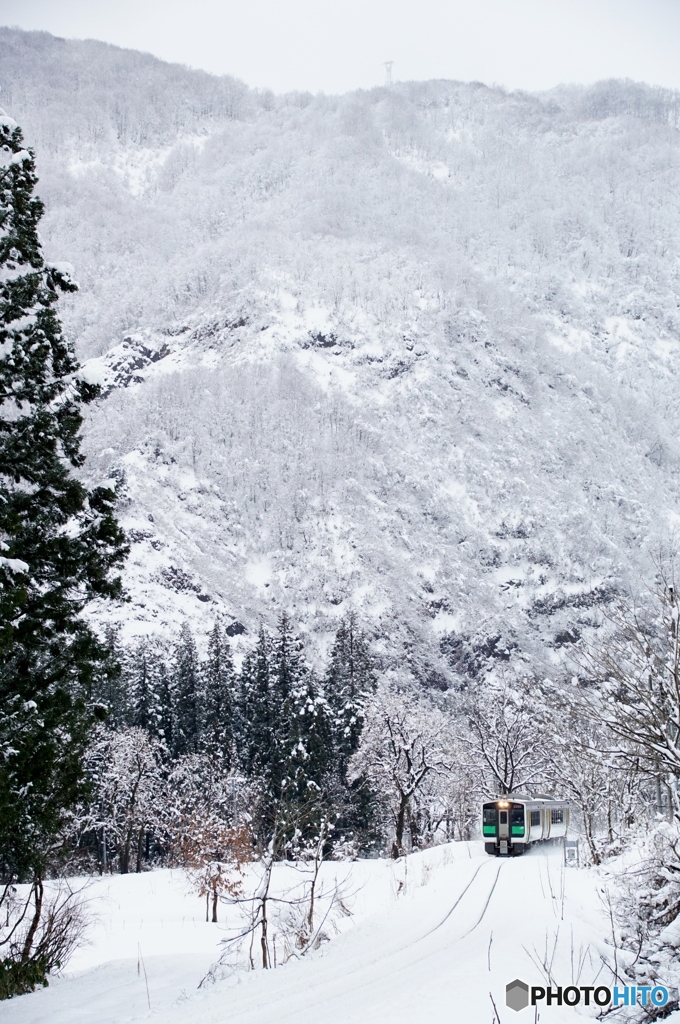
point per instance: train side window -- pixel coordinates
(557, 815)
(517, 821)
(535, 818)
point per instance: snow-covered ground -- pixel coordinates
(432, 937)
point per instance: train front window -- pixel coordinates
(489, 820)
(517, 821)
(504, 817)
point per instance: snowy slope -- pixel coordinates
(412, 351)
(463, 926)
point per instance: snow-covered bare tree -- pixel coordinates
(125, 770)
(405, 741)
(633, 684)
(201, 802)
(508, 746)
(446, 807)
(606, 795)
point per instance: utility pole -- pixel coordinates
(388, 73)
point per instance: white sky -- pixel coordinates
(337, 45)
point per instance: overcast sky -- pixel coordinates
(336, 45)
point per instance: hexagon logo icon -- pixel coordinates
(516, 995)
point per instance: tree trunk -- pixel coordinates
(398, 844)
(140, 850)
(588, 825)
(214, 906)
(413, 831)
(125, 856)
(30, 935)
(263, 939)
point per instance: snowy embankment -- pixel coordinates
(431, 937)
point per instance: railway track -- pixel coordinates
(460, 897)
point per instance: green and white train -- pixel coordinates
(512, 823)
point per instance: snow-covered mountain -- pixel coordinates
(410, 350)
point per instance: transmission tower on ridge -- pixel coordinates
(388, 72)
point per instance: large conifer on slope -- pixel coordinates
(59, 542)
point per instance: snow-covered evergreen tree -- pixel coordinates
(218, 699)
(288, 674)
(165, 704)
(186, 683)
(257, 740)
(109, 690)
(286, 658)
(141, 711)
(308, 742)
(349, 683)
(59, 541)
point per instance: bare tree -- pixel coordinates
(634, 677)
(605, 794)
(403, 744)
(213, 854)
(125, 767)
(447, 805)
(39, 931)
(506, 738)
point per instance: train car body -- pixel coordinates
(512, 823)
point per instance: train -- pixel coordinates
(513, 822)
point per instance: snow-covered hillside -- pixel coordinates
(412, 351)
(430, 937)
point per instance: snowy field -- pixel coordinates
(432, 937)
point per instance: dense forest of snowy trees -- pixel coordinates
(270, 743)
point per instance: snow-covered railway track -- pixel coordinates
(484, 908)
(460, 897)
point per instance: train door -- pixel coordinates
(518, 828)
(503, 829)
(490, 827)
(535, 824)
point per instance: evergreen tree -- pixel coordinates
(142, 679)
(288, 677)
(349, 681)
(286, 663)
(109, 691)
(348, 684)
(218, 699)
(308, 742)
(59, 541)
(186, 725)
(165, 705)
(257, 738)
